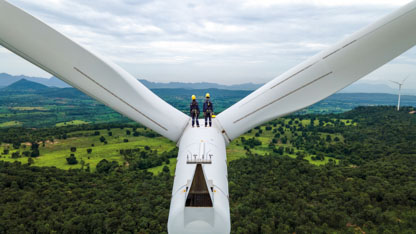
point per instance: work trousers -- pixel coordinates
(208, 115)
(195, 117)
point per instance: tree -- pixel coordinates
(34, 145)
(35, 153)
(16, 154)
(102, 138)
(89, 150)
(328, 138)
(30, 161)
(71, 160)
(105, 166)
(16, 145)
(166, 169)
(73, 149)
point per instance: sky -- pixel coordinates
(221, 41)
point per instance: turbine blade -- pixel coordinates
(46, 48)
(395, 82)
(325, 73)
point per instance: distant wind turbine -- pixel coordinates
(400, 88)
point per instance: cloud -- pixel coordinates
(268, 3)
(224, 41)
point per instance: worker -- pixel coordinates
(194, 109)
(208, 110)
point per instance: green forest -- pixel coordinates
(351, 172)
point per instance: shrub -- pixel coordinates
(102, 139)
(105, 166)
(71, 160)
(35, 153)
(166, 169)
(16, 154)
(16, 145)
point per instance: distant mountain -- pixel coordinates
(6, 80)
(24, 85)
(374, 88)
(200, 85)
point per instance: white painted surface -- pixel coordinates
(102, 80)
(325, 73)
(200, 220)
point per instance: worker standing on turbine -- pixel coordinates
(208, 109)
(194, 109)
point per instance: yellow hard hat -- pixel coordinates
(193, 97)
(207, 95)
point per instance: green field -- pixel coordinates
(55, 152)
(73, 122)
(10, 124)
(29, 108)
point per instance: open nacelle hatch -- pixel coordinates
(199, 195)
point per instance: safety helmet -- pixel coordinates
(207, 95)
(193, 97)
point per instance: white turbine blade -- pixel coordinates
(108, 83)
(405, 79)
(325, 73)
(395, 82)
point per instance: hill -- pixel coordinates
(6, 80)
(358, 87)
(199, 85)
(24, 85)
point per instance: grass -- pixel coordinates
(73, 122)
(10, 124)
(29, 108)
(55, 153)
(171, 166)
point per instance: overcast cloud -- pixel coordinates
(220, 41)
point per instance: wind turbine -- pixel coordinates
(200, 201)
(400, 89)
